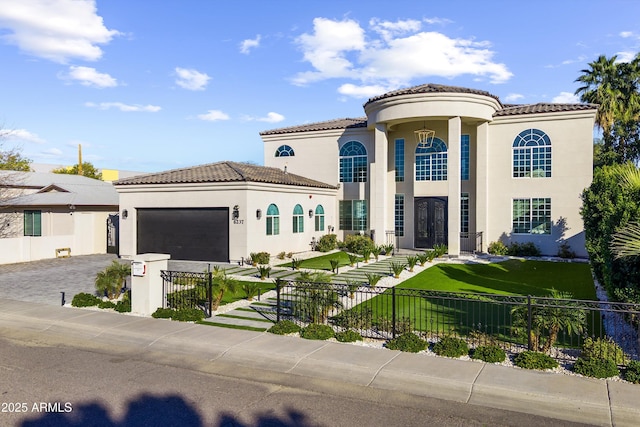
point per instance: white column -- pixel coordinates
(147, 294)
(378, 197)
(482, 182)
(453, 178)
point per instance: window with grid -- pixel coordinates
(399, 215)
(532, 216)
(273, 220)
(33, 223)
(431, 162)
(532, 154)
(399, 159)
(319, 218)
(353, 215)
(353, 162)
(298, 219)
(464, 213)
(464, 157)
(285, 151)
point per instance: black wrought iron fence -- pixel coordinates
(558, 326)
(187, 290)
(470, 242)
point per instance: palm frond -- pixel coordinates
(626, 242)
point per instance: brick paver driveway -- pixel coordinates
(42, 281)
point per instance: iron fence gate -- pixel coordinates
(187, 290)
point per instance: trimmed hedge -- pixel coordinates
(451, 347)
(534, 360)
(408, 342)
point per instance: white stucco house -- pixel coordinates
(426, 165)
(45, 215)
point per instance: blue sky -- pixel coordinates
(150, 85)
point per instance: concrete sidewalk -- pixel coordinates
(292, 361)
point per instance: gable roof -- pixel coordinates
(224, 172)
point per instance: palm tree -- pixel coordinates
(221, 285)
(626, 242)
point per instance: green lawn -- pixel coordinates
(322, 262)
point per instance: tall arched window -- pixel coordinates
(298, 219)
(353, 162)
(273, 220)
(532, 154)
(285, 151)
(431, 162)
(319, 218)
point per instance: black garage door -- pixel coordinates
(196, 234)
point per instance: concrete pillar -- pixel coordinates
(482, 182)
(146, 283)
(453, 179)
(378, 189)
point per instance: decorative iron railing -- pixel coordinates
(187, 290)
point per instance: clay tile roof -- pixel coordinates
(345, 123)
(224, 172)
(430, 88)
(513, 110)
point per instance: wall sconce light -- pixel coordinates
(236, 212)
(125, 214)
(72, 209)
(310, 213)
(258, 214)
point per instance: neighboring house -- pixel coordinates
(222, 212)
(43, 212)
(428, 165)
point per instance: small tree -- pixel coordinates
(222, 284)
(88, 170)
(111, 280)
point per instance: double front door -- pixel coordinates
(430, 220)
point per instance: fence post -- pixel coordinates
(393, 312)
(210, 293)
(278, 282)
(530, 344)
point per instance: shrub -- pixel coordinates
(348, 336)
(356, 319)
(534, 360)
(163, 313)
(603, 348)
(334, 264)
(366, 254)
(408, 342)
(284, 327)
(632, 372)
(188, 315)
(498, 248)
(263, 271)
(106, 304)
(451, 347)
(356, 243)
(260, 257)
(403, 325)
(596, 368)
(397, 268)
(373, 278)
(281, 255)
(376, 252)
(353, 258)
(565, 251)
(315, 331)
(524, 249)
(387, 249)
(124, 305)
(327, 243)
(296, 263)
(251, 289)
(489, 354)
(423, 257)
(440, 249)
(411, 262)
(110, 281)
(84, 299)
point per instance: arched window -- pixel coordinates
(431, 162)
(284, 151)
(353, 162)
(532, 154)
(319, 218)
(273, 220)
(298, 219)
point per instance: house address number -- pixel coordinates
(238, 221)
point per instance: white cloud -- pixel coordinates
(436, 20)
(191, 79)
(271, 118)
(361, 91)
(124, 107)
(512, 97)
(626, 34)
(57, 30)
(625, 56)
(248, 44)
(21, 135)
(566, 98)
(214, 116)
(392, 54)
(51, 152)
(88, 76)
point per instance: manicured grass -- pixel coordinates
(266, 285)
(322, 262)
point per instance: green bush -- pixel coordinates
(106, 304)
(408, 342)
(385, 324)
(357, 319)
(84, 299)
(251, 289)
(534, 360)
(281, 255)
(163, 313)
(348, 336)
(440, 249)
(498, 248)
(565, 251)
(260, 257)
(264, 271)
(489, 354)
(284, 327)
(603, 348)
(632, 372)
(124, 305)
(451, 347)
(524, 249)
(397, 267)
(316, 331)
(596, 368)
(188, 315)
(110, 281)
(327, 243)
(373, 278)
(357, 244)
